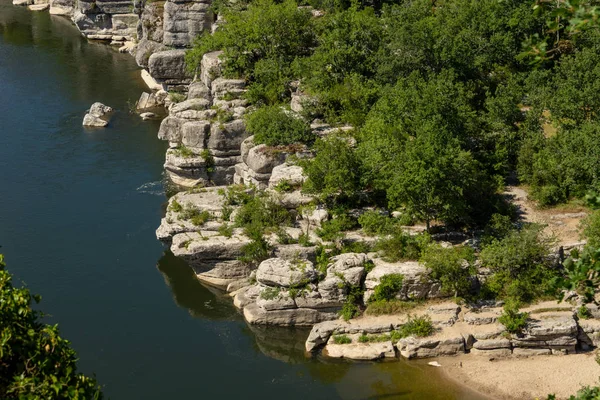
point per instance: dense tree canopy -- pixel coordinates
(448, 99)
(35, 362)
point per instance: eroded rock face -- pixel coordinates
(184, 20)
(278, 272)
(416, 283)
(97, 115)
(169, 67)
(360, 351)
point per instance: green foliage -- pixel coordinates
(260, 42)
(35, 361)
(349, 310)
(584, 313)
(420, 326)
(275, 126)
(520, 263)
(209, 161)
(333, 229)
(341, 339)
(175, 206)
(184, 151)
(452, 267)
(270, 293)
(176, 97)
(591, 229)
(562, 166)
(513, 320)
(262, 212)
(402, 246)
(354, 299)
(283, 186)
(304, 240)
(498, 228)
(335, 170)
(258, 249)
(194, 215)
(388, 288)
(581, 274)
(225, 230)
(585, 393)
(235, 195)
(374, 223)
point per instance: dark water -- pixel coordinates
(78, 210)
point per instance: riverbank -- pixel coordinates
(523, 378)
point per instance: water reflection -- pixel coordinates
(201, 301)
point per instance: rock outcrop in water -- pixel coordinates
(97, 115)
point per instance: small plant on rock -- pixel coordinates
(513, 320)
(388, 288)
(419, 326)
(341, 339)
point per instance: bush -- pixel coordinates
(263, 213)
(521, 264)
(374, 223)
(334, 171)
(333, 229)
(584, 313)
(275, 126)
(513, 320)
(452, 267)
(581, 274)
(35, 361)
(388, 288)
(258, 249)
(341, 339)
(591, 229)
(226, 230)
(402, 246)
(374, 338)
(585, 393)
(416, 326)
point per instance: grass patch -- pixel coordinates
(270, 293)
(341, 339)
(374, 338)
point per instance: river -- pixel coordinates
(78, 211)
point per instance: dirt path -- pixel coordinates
(562, 223)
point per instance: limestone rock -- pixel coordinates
(291, 174)
(285, 273)
(261, 160)
(91, 120)
(99, 110)
(291, 317)
(413, 347)
(210, 67)
(199, 90)
(169, 67)
(145, 49)
(491, 344)
(416, 283)
(360, 351)
(184, 20)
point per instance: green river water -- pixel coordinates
(78, 210)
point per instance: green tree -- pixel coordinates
(35, 362)
(275, 126)
(452, 267)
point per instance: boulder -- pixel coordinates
(184, 21)
(199, 90)
(203, 247)
(171, 129)
(285, 273)
(416, 283)
(169, 67)
(261, 160)
(291, 317)
(360, 351)
(291, 174)
(413, 347)
(90, 120)
(99, 110)
(226, 138)
(145, 49)
(195, 134)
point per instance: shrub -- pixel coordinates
(419, 326)
(388, 288)
(194, 215)
(497, 228)
(274, 126)
(175, 206)
(374, 223)
(334, 171)
(584, 313)
(591, 229)
(402, 246)
(353, 303)
(184, 151)
(262, 212)
(36, 362)
(520, 263)
(452, 267)
(585, 393)
(258, 249)
(304, 240)
(581, 274)
(333, 229)
(283, 186)
(341, 339)
(513, 320)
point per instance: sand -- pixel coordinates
(524, 378)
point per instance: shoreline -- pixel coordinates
(522, 378)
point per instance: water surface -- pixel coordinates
(78, 210)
